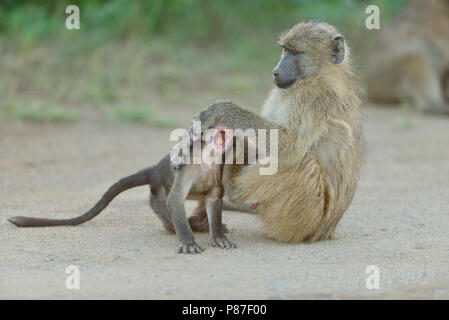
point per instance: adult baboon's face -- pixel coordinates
(297, 64)
(294, 65)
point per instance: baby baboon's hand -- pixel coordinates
(180, 153)
(178, 157)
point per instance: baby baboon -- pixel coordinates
(411, 58)
(169, 188)
(317, 114)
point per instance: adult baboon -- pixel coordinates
(318, 114)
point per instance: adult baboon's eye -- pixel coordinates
(294, 52)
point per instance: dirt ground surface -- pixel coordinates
(398, 221)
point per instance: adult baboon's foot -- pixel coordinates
(335, 236)
(190, 248)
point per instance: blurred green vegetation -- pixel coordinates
(136, 115)
(172, 54)
(30, 111)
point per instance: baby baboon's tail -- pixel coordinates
(138, 179)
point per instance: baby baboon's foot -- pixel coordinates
(223, 242)
(199, 224)
(190, 248)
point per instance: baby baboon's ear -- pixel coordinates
(338, 49)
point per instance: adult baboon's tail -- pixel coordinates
(138, 179)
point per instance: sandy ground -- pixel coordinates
(398, 221)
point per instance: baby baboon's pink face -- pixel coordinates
(222, 139)
(218, 140)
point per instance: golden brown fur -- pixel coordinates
(320, 147)
(411, 57)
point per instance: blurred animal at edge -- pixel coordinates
(410, 61)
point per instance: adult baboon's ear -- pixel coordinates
(338, 49)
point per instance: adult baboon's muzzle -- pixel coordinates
(285, 74)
